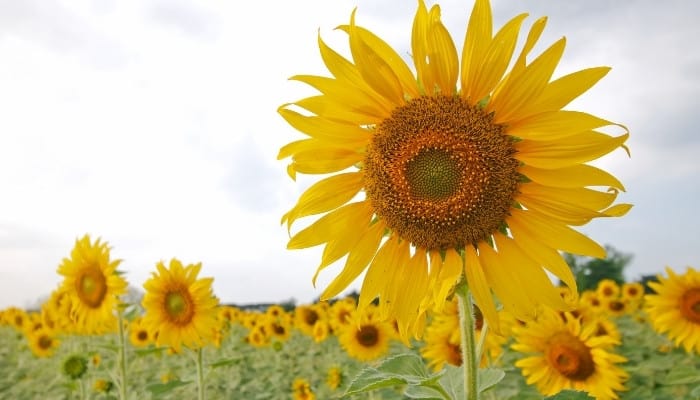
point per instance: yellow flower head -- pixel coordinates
(608, 289)
(463, 168)
(42, 342)
(301, 390)
(139, 336)
(675, 308)
(93, 285)
(366, 338)
(180, 308)
(334, 378)
(568, 353)
(632, 291)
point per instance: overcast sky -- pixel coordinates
(153, 125)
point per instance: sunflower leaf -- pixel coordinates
(452, 382)
(489, 377)
(682, 375)
(371, 379)
(570, 395)
(423, 393)
(157, 389)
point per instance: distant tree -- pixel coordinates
(588, 271)
(645, 279)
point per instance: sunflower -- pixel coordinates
(632, 291)
(366, 338)
(608, 289)
(306, 316)
(138, 333)
(93, 285)
(301, 390)
(465, 167)
(568, 354)
(616, 307)
(42, 342)
(334, 378)
(674, 309)
(180, 308)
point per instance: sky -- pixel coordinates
(153, 125)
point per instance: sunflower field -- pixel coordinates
(616, 342)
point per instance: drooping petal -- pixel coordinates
(565, 152)
(348, 95)
(419, 47)
(320, 231)
(357, 260)
(325, 195)
(479, 287)
(325, 129)
(324, 160)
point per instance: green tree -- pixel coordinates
(588, 271)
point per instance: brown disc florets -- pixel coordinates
(441, 173)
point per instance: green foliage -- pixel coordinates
(589, 271)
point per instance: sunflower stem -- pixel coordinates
(467, 328)
(200, 375)
(122, 356)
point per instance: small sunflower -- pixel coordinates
(179, 307)
(463, 168)
(42, 342)
(616, 307)
(366, 338)
(306, 316)
(301, 390)
(674, 309)
(139, 335)
(334, 378)
(632, 291)
(608, 289)
(94, 286)
(568, 354)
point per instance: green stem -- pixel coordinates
(81, 383)
(200, 375)
(468, 330)
(122, 356)
(482, 340)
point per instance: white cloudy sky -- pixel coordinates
(153, 124)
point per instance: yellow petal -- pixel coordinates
(581, 197)
(554, 234)
(529, 274)
(419, 47)
(341, 68)
(380, 271)
(523, 88)
(325, 107)
(483, 77)
(556, 125)
(348, 95)
(532, 37)
(569, 177)
(544, 255)
(500, 279)
(479, 287)
(327, 226)
(397, 64)
(325, 129)
(326, 195)
(451, 271)
(442, 54)
(576, 149)
(413, 286)
(357, 260)
(476, 44)
(562, 91)
(374, 70)
(324, 160)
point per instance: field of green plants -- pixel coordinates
(244, 366)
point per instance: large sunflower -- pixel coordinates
(180, 309)
(675, 308)
(568, 353)
(466, 167)
(93, 285)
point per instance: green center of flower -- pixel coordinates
(92, 287)
(440, 173)
(570, 357)
(690, 305)
(179, 307)
(367, 335)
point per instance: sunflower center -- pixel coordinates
(142, 335)
(570, 357)
(616, 306)
(690, 305)
(441, 173)
(92, 287)
(310, 317)
(367, 335)
(179, 307)
(45, 342)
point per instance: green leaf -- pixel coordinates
(225, 363)
(408, 366)
(452, 381)
(682, 375)
(489, 377)
(423, 393)
(371, 379)
(570, 395)
(157, 389)
(695, 393)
